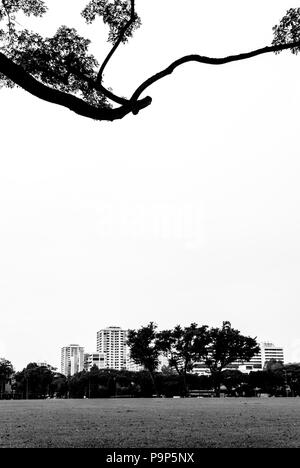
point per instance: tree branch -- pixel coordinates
(23, 79)
(118, 42)
(210, 61)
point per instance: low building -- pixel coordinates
(268, 352)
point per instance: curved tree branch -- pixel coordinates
(23, 79)
(210, 61)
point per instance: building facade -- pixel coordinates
(268, 351)
(112, 342)
(72, 359)
(94, 359)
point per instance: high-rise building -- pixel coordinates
(94, 359)
(112, 341)
(72, 358)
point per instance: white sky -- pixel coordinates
(187, 212)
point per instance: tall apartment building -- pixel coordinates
(94, 359)
(72, 359)
(112, 342)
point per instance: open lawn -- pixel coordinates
(173, 423)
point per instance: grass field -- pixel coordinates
(169, 423)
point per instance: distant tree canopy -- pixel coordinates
(60, 70)
(34, 379)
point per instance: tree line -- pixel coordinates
(38, 382)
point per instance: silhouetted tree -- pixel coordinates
(143, 348)
(59, 385)
(184, 347)
(78, 384)
(60, 70)
(226, 346)
(6, 370)
(34, 381)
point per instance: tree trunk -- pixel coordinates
(153, 381)
(185, 385)
(217, 383)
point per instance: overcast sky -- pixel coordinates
(187, 212)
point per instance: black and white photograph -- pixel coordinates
(150, 227)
